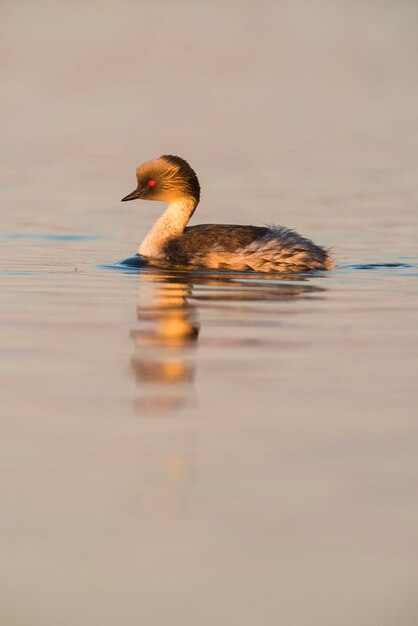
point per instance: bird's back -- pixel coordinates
(243, 248)
(201, 239)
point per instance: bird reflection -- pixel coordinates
(167, 333)
(237, 312)
(164, 356)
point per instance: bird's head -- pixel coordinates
(168, 178)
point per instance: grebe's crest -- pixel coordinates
(166, 178)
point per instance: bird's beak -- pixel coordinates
(132, 196)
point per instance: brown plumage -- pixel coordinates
(215, 246)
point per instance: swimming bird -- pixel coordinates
(214, 246)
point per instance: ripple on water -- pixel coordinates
(52, 237)
(381, 266)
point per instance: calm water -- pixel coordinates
(201, 448)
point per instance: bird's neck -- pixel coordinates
(171, 224)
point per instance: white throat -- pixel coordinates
(171, 224)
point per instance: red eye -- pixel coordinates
(152, 183)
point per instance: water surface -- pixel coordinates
(198, 447)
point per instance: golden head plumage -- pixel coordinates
(167, 178)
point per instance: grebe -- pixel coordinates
(215, 246)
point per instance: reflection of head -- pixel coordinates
(173, 325)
